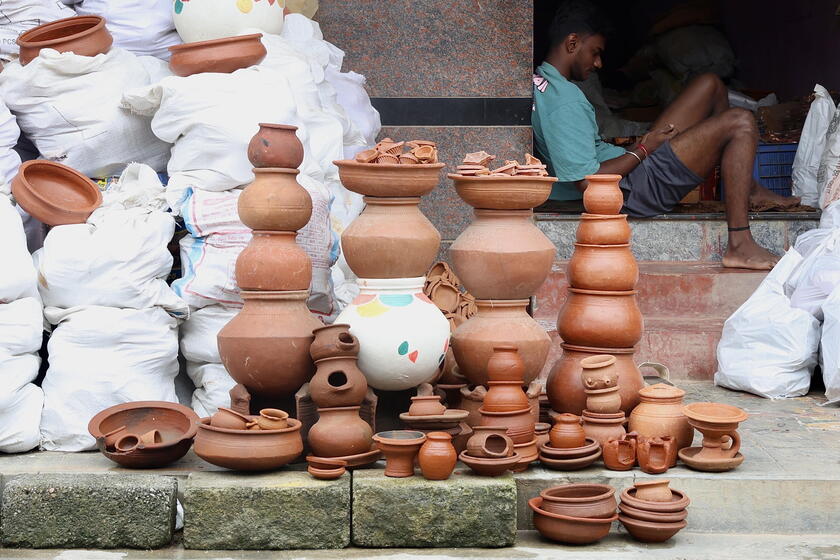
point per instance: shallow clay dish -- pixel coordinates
(176, 424)
(54, 193)
(570, 464)
(569, 453)
(502, 193)
(688, 456)
(325, 468)
(388, 180)
(487, 466)
(650, 532)
(643, 515)
(248, 450)
(82, 35)
(218, 55)
(569, 530)
(678, 502)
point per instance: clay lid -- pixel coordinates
(714, 412)
(55, 194)
(661, 391)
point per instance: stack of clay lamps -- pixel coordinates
(390, 246)
(652, 512)
(265, 347)
(600, 314)
(568, 448)
(428, 414)
(602, 418)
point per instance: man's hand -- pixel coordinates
(655, 138)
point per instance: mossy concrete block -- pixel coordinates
(463, 511)
(273, 511)
(88, 511)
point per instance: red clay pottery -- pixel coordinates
(502, 193)
(151, 437)
(337, 382)
(650, 531)
(328, 472)
(55, 194)
(273, 419)
(596, 229)
(620, 454)
(654, 490)
(389, 180)
(519, 424)
(660, 413)
(471, 401)
(604, 401)
(273, 261)
(248, 450)
(643, 515)
(567, 432)
(678, 502)
(603, 267)
(266, 346)
(602, 194)
(110, 439)
(275, 201)
(599, 372)
(570, 464)
(126, 443)
(528, 453)
(489, 466)
(332, 341)
(223, 56)
(429, 405)
(353, 461)
(565, 390)
(499, 322)
(569, 530)
(505, 364)
(502, 255)
(541, 431)
(718, 423)
(275, 145)
(83, 35)
(437, 456)
(400, 448)
(489, 442)
(591, 446)
(505, 396)
(339, 432)
(602, 427)
(580, 500)
(228, 418)
(653, 455)
(600, 319)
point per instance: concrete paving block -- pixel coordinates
(273, 511)
(88, 511)
(463, 511)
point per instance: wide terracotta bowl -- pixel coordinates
(603, 229)
(571, 464)
(54, 193)
(223, 56)
(503, 193)
(388, 179)
(176, 423)
(82, 35)
(566, 529)
(651, 531)
(248, 450)
(605, 319)
(580, 500)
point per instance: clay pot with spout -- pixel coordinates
(600, 229)
(337, 382)
(275, 145)
(603, 267)
(654, 455)
(600, 318)
(275, 201)
(273, 261)
(567, 432)
(332, 341)
(660, 413)
(340, 432)
(437, 456)
(620, 454)
(603, 194)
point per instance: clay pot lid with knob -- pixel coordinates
(55, 194)
(661, 391)
(715, 413)
(224, 55)
(81, 35)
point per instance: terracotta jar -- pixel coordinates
(620, 454)
(272, 419)
(273, 261)
(499, 322)
(505, 396)
(471, 400)
(654, 490)
(426, 405)
(502, 255)
(603, 267)
(332, 341)
(337, 382)
(391, 238)
(600, 318)
(82, 35)
(275, 145)
(603, 194)
(400, 448)
(605, 401)
(266, 346)
(602, 427)
(660, 413)
(580, 500)
(340, 432)
(437, 456)
(228, 419)
(489, 441)
(564, 387)
(505, 364)
(519, 424)
(654, 455)
(599, 372)
(567, 432)
(275, 201)
(600, 229)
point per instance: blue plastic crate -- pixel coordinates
(773, 167)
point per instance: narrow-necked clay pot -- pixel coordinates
(650, 531)
(505, 364)
(437, 456)
(602, 427)
(653, 490)
(55, 194)
(332, 341)
(599, 372)
(605, 401)
(273, 261)
(660, 413)
(603, 319)
(603, 267)
(567, 432)
(229, 419)
(503, 193)
(580, 500)
(400, 447)
(275, 145)
(275, 201)
(273, 419)
(566, 529)
(490, 442)
(597, 229)
(389, 180)
(505, 396)
(340, 432)
(428, 405)
(337, 382)
(602, 194)
(489, 466)
(223, 56)
(519, 424)
(620, 454)
(248, 450)
(82, 35)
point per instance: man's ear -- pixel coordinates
(572, 42)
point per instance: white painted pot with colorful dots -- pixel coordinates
(203, 20)
(403, 336)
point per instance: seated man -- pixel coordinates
(695, 133)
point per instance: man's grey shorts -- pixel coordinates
(658, 184)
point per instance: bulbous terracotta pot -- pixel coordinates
(275, 145)
(82, 35)
(603, 427)
(275, 201)
(505, 364)
(337, 382)
(400, 448)
(599, 318)
(655, 490)
(603, 267)
(605, 401)
(567, 432)
(499, 322)
(660, 413)
(602, 194)
(505, 396)
(266, 346)
(391, 238)
(598, 229)
(490, 442)
(519, 424)
(333, 341)
(273, 261)
(340, 432)
(565, 389)
(437, 456)
(502, 255)
(426, 405)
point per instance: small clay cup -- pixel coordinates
(273, 419)
(655, 490)
(151, 437)
(229, 419)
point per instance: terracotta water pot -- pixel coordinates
(660, 413)
(597, 229)
(489, 466)
(605, 401)
(650, 531)
(490, 442)
(82, 35)
(519, 424)
(602, 427)
(426, 405)
(567, 432)
(266, 346)
(471, 400)
(400, 448)
(505, 396)
(273, 261)
(275, 145)
(225, 55)
(654, 490)
(565, 389)
(389, 180)
(54, 193)
(602, 194)
(248, 450)
(566, 529)
(620, 454)
(340, 432)
(333, 341)
(437, 456)
(272, 419)
(337, 382)
(654, 455)
(499, 322)
(502, 255)
(275, 201)
(599, 372)
(503, 193)
(391, 238)
(505, 364)
(580, 500)
(600, 319)
(603, 267)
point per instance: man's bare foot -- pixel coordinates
(748, 254)
(762, 197)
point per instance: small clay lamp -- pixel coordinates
(718, 423)
(400, 448)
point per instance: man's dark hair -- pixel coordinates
(577, 16)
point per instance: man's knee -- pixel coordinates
(709, 83)
(740, 121)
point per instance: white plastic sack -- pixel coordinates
(21, 327)
(830, 346)
(19, 278)
(100, 357)
(198, 333)
(22, 15)
(828, 174)
(212, 387)
(811, 146)
(767, 347)
(69, 106)
(9, 158)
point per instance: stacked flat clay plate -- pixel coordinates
(223, 56)
(54, 193)
(503, 193)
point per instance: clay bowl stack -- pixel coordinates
(428, 414)
(575, 513)
(652, 512)
(490, 452)
(600, 314)
(568, 448)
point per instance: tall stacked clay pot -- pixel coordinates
(265, 347)
(600, 314)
